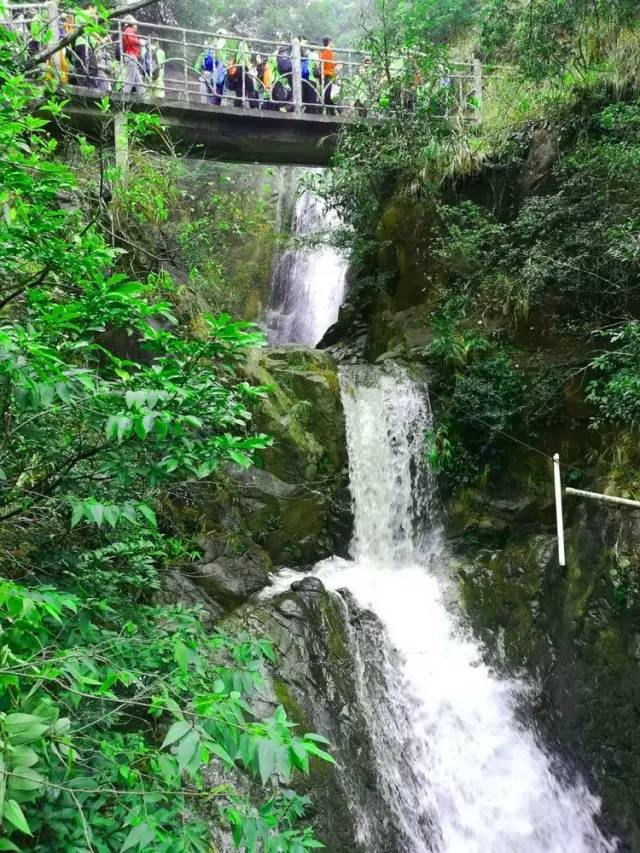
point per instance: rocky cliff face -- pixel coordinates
(330, 670)
(292, 510)
(574, 631)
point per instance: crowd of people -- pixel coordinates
(228, 70)
(229, 65)
(122, 61)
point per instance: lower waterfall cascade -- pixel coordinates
(308, 282)
(458, 770)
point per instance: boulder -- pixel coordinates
(230, 580)
(321, 641)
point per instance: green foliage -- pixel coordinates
(110, 721)
(483, 400)
(454, 347)
(574, 248)
(550, 38)
(615, 392)
(123, 724)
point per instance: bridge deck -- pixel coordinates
(220, 132)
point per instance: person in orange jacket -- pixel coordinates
(328, 71)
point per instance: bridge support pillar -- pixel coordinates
(296, 62)
(121, 139)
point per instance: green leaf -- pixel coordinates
(25, 779)
(139, 836)
(77, 514)
(123, 426)
(13, 814)
(239, 458)
(177, 730)
(299, 756)
(111, 515)
(96, 512)
(317, 738)
(315, 750)
(63, 391)
(148, 513)
(187, 749)
(24, 756)
(181, 656)
(193, 421)
(221, 752)
(5, 844)
(267, 757)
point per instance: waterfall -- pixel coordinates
(308, 282)
(457, 769)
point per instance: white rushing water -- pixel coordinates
(308, 282)
(457, 769)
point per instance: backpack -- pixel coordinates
(304, 67)
(207, 62)
(285, 66)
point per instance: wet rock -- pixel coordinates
(321, 640)
(230, 580)
(308, 584)
(179, 588)
(575, 631)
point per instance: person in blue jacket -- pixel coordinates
(213, 72)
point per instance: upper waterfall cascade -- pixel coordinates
(458, 770)
(308, 282)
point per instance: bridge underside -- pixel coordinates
(219, 132)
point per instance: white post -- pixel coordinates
(477, 87)
(596, 496)
(296, 78)
(559, 521)
(53, 21)
(121, 140)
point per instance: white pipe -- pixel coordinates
(559, 521)
(605, 498)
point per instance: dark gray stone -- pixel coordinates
(231, 580)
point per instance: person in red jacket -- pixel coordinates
(131, 53)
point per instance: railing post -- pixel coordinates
(296, 75)
(477, 88)
(557, 480)
(53, 17)
(121, 140)
(186, 70)
(243, 59)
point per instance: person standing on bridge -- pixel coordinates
(158, 59)
(264, 75)
(328, 73)
(131, 53)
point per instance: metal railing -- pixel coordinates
(166, 63)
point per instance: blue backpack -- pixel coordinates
(207, 62)
(304, 67)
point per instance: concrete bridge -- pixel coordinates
(215, 132)
(298, 123)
